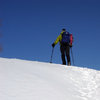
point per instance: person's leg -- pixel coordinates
(68, 55)
(62, 49)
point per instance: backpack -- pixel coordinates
(65, 38)
(71, 39)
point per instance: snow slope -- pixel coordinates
(31, 80)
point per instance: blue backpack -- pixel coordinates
(65, 38)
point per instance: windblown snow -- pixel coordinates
(31, 80)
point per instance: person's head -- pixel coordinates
(63, 29)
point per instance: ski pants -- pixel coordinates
(65, 51)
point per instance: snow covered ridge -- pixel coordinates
(30, 80)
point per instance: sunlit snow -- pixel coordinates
(31, 80)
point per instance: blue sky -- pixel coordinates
(29, 27)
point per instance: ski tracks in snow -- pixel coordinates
(88, 84)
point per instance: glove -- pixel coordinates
(53, 45)
(70, 45)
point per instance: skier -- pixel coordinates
(65, 44)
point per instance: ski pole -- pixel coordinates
(52, 54)
(72, 57)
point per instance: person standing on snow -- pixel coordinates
(65, 44)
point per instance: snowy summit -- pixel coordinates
(31, 80)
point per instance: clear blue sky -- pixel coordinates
(29, 27)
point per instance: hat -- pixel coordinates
(63, 29)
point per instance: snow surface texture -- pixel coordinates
(31, 80)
